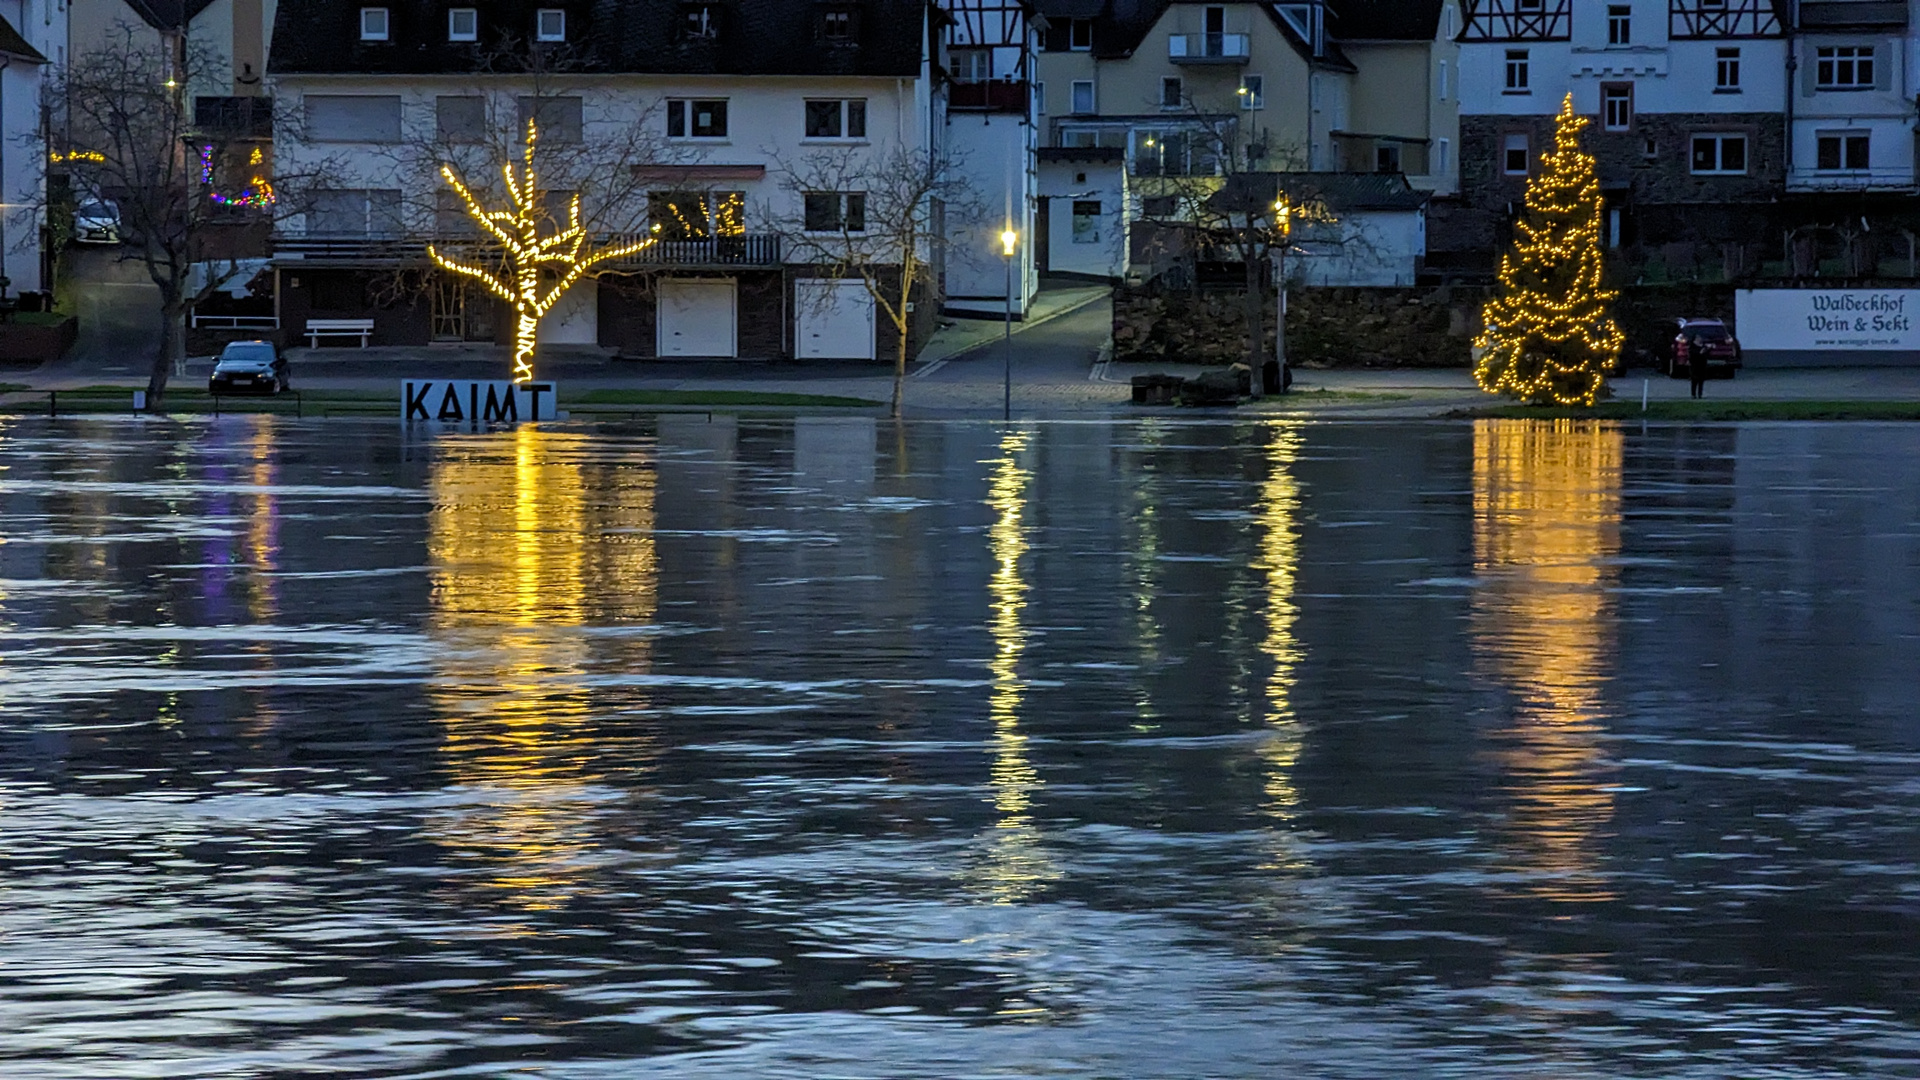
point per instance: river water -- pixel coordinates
(772, 747)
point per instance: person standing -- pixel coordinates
(1696, 367)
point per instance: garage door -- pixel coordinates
(696, 317)
(833, 319)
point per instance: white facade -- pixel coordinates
(23, 148)
(1853, 130)
(1087, 223)
(1378, 248)
(991, 132)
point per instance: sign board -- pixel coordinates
(466, 401)
(1841, 325)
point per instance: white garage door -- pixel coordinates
(833, 319)
(696, 317)
(575, 318)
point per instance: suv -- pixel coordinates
(1703, 341)
(249, 367)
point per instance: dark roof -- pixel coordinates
(755, 37)
(1816, 15)
(15, 46)
(1384, 20)
(1340, 192)
(1120, 25)
(168, 14)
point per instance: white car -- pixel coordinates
(96, 222)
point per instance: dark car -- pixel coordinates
(249, 367)
(1703, 341)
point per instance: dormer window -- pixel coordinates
(550, 24)
(836, 26)
(463, 24)
(699, 22)
(373, 24)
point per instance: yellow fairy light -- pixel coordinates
(527, 258)
(1550, 335)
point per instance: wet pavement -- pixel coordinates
(825, 747)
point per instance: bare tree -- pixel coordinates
(128, 137)
(877, 218)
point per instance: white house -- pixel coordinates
(700, 123)
(991, 134)
(1852, 98)
(29, 30)
(1083, 224)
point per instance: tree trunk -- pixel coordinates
(525, 333)
(1256, 321)
(172, 348)
(900, 365)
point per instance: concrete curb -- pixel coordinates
(928, 366)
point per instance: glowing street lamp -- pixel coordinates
(1283, 230)
(1009, 241)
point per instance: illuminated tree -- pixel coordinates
(529, 270)
(1550, 334)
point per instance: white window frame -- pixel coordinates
(1040, 99)
(1440, 156)
(472, 16)
(1440, 85)
(1843, 136)
(550, 24)
(866, 117)
(1074, 40)
(1507, 147)
(1519, 72)
(686, 120)
(1828, 61)
(1619, 24)
(1253, 91)
(1720, 139)
(1093, 101)
(1726, 70)
(376, 24)
(1610, 93)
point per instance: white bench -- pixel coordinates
(319, 328)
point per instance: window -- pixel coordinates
(558, 118)
(1843, 67)
(1528, 5)
(550, 24)
(1440, 84)
(1080, 34)
(1649, 148)
(1517, 159)
(837, 119)
(1170, 93)
(460, 119)
(699, 22)
(1253, 92)
(1616, 106)
(970, 65)
(1083, 95)
(1840, 151)
(1619, 24)
(373, 24)
(1159, 206)
(1517, 71)
(836, 211)
(1440, 155)
(353, 118)
(836, 26)
(696, 119)
(463, 24)
(696, 215)
(1386, 159)
(1040, 98)
(1719, 154)
(1086, 221)
(355, 212)
(1726, 71)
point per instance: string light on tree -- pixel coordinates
(1550, 335)
(532, 272)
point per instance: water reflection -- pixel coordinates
(524, 548)
(1546, 508)
(1017, 863)
(1279, 565)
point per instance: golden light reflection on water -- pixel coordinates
(262, 552)
(1017, 864)
(1145, 555)
(1546, 499)
(1279, 566)
(525, 550)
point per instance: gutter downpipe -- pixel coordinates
(1793, 68)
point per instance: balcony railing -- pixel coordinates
(1894, 179)
(374, 248)
(1207, 48)
(1002, 96)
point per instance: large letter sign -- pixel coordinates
(469, 401)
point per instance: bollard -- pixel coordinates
(53, 403)
(1644, 385)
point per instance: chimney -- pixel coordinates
(249, 48)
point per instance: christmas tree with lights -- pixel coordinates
(1550, 335)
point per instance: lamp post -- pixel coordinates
(1008, 241)
(1283, 229)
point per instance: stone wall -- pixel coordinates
(1182, 327)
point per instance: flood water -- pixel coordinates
(773, 747)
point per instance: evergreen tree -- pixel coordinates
(1550, 334)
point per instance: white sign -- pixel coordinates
(465, 401)
(1858, 320)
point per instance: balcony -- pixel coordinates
(1852, 15)
(390, 249)
(1003, 96)
(1208, 48)
(1892, 179)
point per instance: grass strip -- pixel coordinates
(1708, 410)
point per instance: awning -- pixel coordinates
(241, 271)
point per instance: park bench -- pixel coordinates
(319, 328)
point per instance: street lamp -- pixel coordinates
(1009, 240)
(1283, 229)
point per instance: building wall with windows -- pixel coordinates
(1853, 103)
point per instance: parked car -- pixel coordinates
(96, 221)
(1703, 341)
(249, 367)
